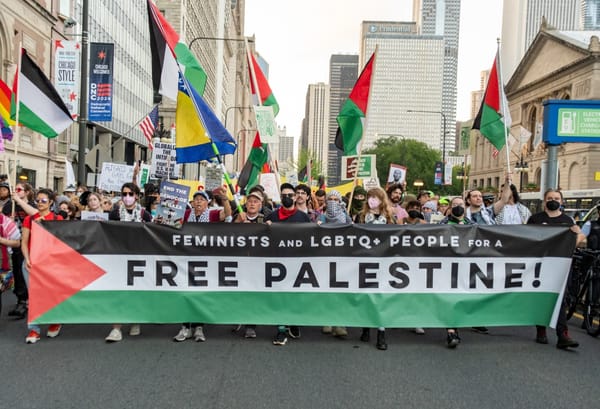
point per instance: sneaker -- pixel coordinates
(183, 334)
(53, 330)
(326, 329)
(541, 337)
(32, 337)
(481, 330)
(250, 333)
(280, 338)
(381, 344)
(294, 332)
(453, 340)
(20, 310)
(199, 334)
(365, 336)
(115, 335)
(339, 332)
(419, 331)
(565, 341)
(135, 330)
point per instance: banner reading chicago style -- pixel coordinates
(303, 274)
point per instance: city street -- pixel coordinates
(505, 369)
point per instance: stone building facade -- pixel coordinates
(557, 65)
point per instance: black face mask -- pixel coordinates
(458, 211)
(552, 205)
(414, 214)
(287, 201)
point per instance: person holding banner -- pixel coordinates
(287, 213)
(129, 210)
(44, 200)
(552, 214)
(377, 210)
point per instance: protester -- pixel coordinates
(413, 213)
(424, 196)
(443, 205)
(376, 211)
(513, 212)
(456, 216)
(44, 200)
(359, 197)
(553, 215)
(67, 210)
(5, 202)
(320, 199)
(395, 194)
(287, 213)
(128, 211)
(10, 237)
(429, 209)
(24, 205)
(303, 202)
(476, 210)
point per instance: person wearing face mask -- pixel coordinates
(358, 200)
(377, 210)
(334, 212)
(287, 213)
(553, 215)
(128, 211)
(456, 216)
(414, 215)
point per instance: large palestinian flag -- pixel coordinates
(300, 274)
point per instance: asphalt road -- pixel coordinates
(505, 369)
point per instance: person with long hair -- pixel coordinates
(376, 210)
(513, 212)
(44, 200)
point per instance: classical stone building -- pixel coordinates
(557, 65)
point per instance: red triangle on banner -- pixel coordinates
(49, 282)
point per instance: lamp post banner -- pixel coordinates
(298, 274)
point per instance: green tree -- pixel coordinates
(418, 158)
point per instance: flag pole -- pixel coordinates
(503, 101)
(259, 97)
(360, 144)
(17, 127)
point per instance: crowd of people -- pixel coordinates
(298, 204)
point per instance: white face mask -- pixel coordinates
(128, 200)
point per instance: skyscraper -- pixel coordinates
(590, 14)
(521, 20)
(442, 18)
(408, 75)
(316, 122)
(343, 72)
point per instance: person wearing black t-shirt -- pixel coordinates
(553, 215)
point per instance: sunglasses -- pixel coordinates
(19, 189)
(290, 195)
(127, 194)
(42, 200)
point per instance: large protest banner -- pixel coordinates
(299, 274)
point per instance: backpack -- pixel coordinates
(593, 239)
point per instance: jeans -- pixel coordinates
(31, 327)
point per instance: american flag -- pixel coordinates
(149, 124)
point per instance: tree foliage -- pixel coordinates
(316, 168)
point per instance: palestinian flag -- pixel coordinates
(266, 95)
(490, 120)
(352, 116)
(41, 108)
(257, 160)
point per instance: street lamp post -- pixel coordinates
(443, 139)
(521, 167)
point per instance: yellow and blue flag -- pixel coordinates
(198, 127)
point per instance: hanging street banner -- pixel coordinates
(300, 274)
(101, 82)
(67, 73)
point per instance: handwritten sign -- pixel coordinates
(114, 175)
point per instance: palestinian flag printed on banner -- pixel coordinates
(360, 276)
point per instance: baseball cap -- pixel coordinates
(69, 188)
(5, 184)
(203, 194)
(256, 194)
(444, 201)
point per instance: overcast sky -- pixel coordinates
(297, 39)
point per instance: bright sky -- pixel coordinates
(297, 39)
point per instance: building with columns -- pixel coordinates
(557, 65)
